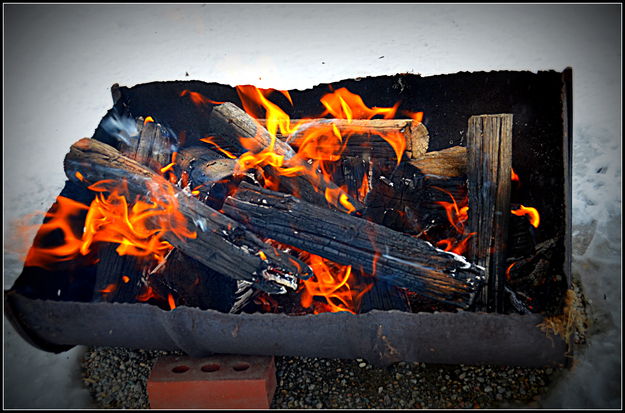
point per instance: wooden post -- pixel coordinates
(489, 145)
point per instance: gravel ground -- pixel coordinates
(116, 378)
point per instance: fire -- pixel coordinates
(211, 140)
(317, 147)
(508, 270)
(171, 164)
(514, 177)
(148, 120)
(333, 282)
(343, 104)
(170, 300)
(198, 98)
(138, 228)
(59, 219)
(364, 188)
(457, 215)
(532, 214)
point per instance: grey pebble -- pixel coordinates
(117, 378)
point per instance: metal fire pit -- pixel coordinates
(541, 105)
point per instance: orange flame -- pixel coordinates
(64, 211)
(457, 216)
(198, 98)
(138, 228)
(508, 271)
(148, 294)
(317, 146)
(343, 104)
(210, 140)
(125, 279)
(108, 289)
(333, 282)
(364, 188)
(415, 116)
(170, 300)
(532, 214)
(514, 177)
(148, 120)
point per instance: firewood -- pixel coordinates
(229, 123)
(450, 162)
(406, 199)
(399, 259)
(119, 278)
(221, 243)
(192, 284)
(365, 135)
(489, 148)
(384, 296)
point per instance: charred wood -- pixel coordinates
(384, 296)
(406, 200)
(118, 277)
(221, 243)
(399, 259)
(192, 284)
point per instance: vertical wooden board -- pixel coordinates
(489, 144)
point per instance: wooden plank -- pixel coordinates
(489, 146)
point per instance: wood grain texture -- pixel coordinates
(489, 146)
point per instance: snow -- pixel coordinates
(60, 61)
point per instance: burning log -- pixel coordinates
(489, 146)
(408, 201)
(207, 174)
(192, 284)
(231, 124)
(399, 259)
(366, 135)
(221, 243)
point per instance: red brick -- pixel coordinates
(179, 382)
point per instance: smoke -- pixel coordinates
(120, 126)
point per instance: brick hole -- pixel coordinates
(209, 368)
(180, 369)
(241, 366)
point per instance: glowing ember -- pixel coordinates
(109, 289)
